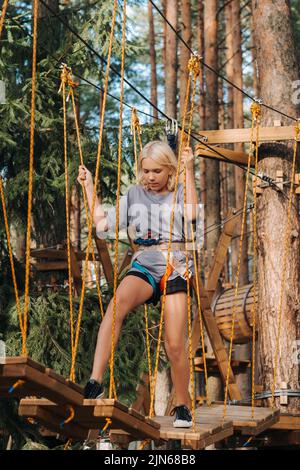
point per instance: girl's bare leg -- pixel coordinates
(131, 292)
(175, 345)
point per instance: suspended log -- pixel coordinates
(223, 311)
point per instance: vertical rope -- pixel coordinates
(85, 200)
(285, 252)
(151, 413)
(3, 13)
(257, 116)
(11, 258)
(90, 225)
(255, 109)
(116, 260)
(30, 183)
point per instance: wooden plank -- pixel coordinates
(221, 252)
(216, 341)
(288, 422)
(38, 382)
(222, 154)
(75, 269)
(266, 134)
(51, 266)
(241, 416)
(105, 259)
(93, 416)
(206, 433)
(52, 421)
(59, 254)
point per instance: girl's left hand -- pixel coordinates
(187, 158)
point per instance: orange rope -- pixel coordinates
(116, 260)
(31, 158)
(3, 13)
(11, 258)
(90, 227)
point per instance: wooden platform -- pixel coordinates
(209, 430)
(90, 418)
(39, 381)
(241, 417)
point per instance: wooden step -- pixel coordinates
(90, 416)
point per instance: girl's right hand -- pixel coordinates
(85, 177)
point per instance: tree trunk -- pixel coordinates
(238, 114)
(277, 69)
(200, 39)
(152, 60)
(171, 59)
(212, 167)
(212, 207)
(184, 52)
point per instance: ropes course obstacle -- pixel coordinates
(61, 406)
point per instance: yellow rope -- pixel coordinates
(70, 417)
(11, 258)
(144, 443)
(90, 222)
(285, 251)
(148, 347)
(31, 158)
(3, 13)
(151, 413)
(107, 424)
(64, 81)
(194, 72)
(116, 260)
(194, 67)
(67, 444)
(255, 109)
(85, 197)
(135, 131)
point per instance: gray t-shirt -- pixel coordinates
(147, 214)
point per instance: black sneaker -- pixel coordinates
(93, 390)
(183, 417)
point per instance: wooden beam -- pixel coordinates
(58, 254)
(232, 136)
(105, 259)
(75, 269)
(215, 339)
(221, 252)
(230, 156)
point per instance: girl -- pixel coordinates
(145, 211)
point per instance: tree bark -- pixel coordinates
(184, 52)
(171, 59)
(213, 203)
(152, 60)
(277, 69)
(200, 39)
(212, 167)
(238, 114)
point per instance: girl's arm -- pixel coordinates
(86, 180)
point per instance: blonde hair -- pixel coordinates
(161, 153)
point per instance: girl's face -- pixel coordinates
(155, 175)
